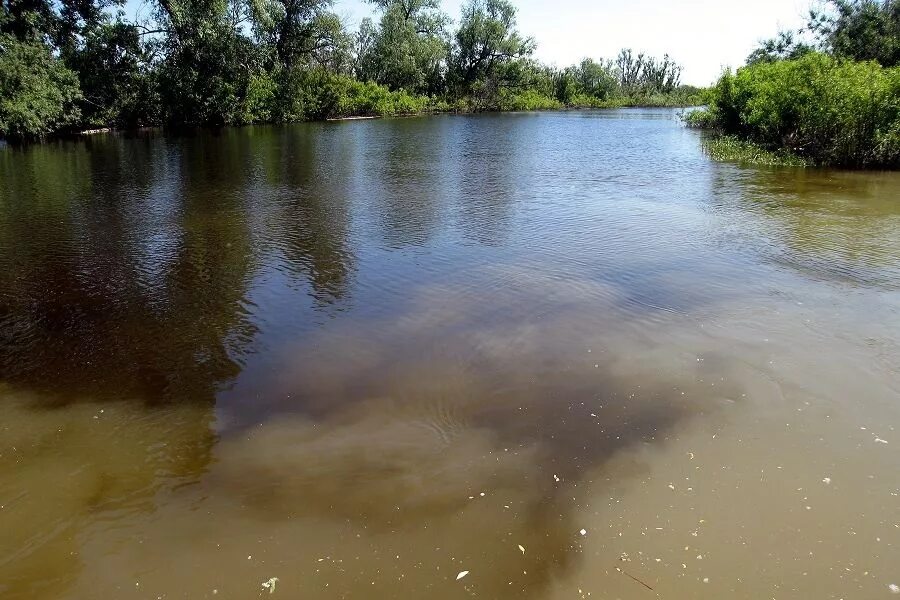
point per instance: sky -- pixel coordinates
(704, 36)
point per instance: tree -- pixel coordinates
(644, 74)
(784, 46)
(596, 79)
(113, 67)
(208, 63)
(28, 20)
(860, 29)
(408, 50)
(486, 42)
(38, 94)
(303, 33)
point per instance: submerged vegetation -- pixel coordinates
(68, 65)
(834, 101)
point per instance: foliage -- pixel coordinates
(527, 100)
(860, 29)
(785, 46)
(828, 110)
(207, 62)
(409, 48)
(110, 63)
(77, 64)
(642, 74)
(486, 48)
(38, 94)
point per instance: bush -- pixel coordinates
(527, 100)
(828, 110)
(699, 119)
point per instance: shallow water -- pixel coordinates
(565, 353)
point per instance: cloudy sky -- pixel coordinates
(703, 35)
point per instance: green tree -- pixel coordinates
(302, 33)
(28, 20)
(113, 67)
(860, 29)
(487, 42)
(642, 74)
(596, 79)
(784, 46)
(208, 62)
(409, 48)
(38, 94)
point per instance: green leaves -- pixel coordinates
(486, 47)
(829, 110)
(860, 29)
(38, 94)
(408, 49)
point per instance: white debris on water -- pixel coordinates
(522, 548)
(878, 440)
(461, 575)
(270, 584)
(555, 478)
(583, 532)
(827, 480)
(895, 589)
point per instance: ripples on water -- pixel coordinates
(365, 357)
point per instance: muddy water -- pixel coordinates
(565, 354)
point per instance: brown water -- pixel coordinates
(566, 353)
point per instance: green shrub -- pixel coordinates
(258, 104)
(828, 110)
(527, 100)
(700, 119)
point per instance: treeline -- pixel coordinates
(829, 93)
(68, 65)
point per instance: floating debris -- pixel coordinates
(522, 548)
(270, 584)
(878, 440)
(461, 575)
(827, 480)
(555, 478)
(895, 589)
(583, 532)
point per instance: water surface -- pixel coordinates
(564, 352)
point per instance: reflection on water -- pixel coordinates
(563, 352)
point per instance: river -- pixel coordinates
(531, 356)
